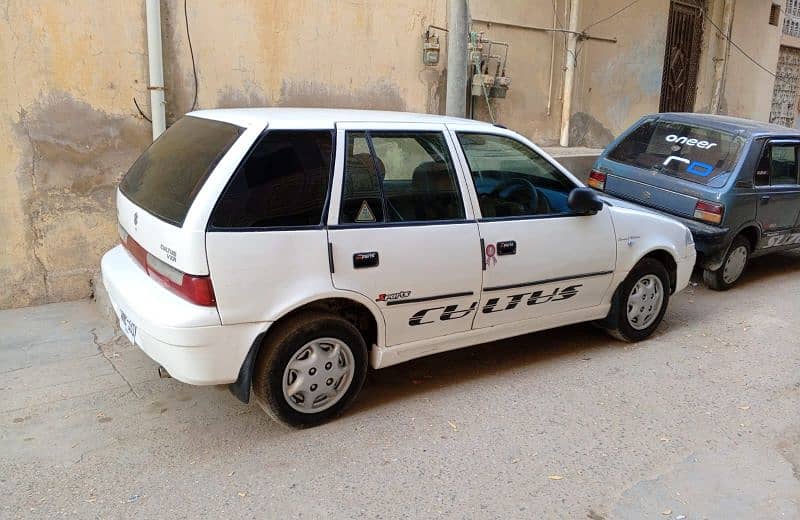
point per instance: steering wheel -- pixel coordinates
(518, 191)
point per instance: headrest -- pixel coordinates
(432, 174)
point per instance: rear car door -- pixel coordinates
(540, 258)
(776, 181)
(400, 232)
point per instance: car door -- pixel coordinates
(400, 231)
(540, 258)
(776, 181)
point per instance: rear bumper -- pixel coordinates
(186, 339)
(711, 242)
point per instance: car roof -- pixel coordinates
(730, 124)
(322, 117)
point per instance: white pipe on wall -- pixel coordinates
(569, 71)
(155, 61)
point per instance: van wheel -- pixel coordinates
(732, 266)
(310, 370)
(640, 302)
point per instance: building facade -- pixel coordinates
(70, 128)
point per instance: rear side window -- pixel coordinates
(690, 152)
(282, 183)
(778, 165)
(165, 179)
(399, 177)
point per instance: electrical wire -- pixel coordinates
(141, 113)
(191, 52)
(722, 33)
(612, 15)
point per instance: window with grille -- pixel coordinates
(791, 18)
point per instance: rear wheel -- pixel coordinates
(640, 302)
(311, 369)
(732, 266)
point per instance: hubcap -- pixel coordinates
(318, 375)
(734, 265)
(644, 301)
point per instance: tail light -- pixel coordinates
(708, 211)
(196, 289)
(597, 180)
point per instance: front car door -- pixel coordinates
(776, 181)
(401, 231)
(540, 258)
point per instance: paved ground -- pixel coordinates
(699, 422)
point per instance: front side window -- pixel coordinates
(282, 183)
(512, 180)
(778, 165)
(399, 177)
(693, 153)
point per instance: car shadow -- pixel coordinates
(770, 267)
(487, 360)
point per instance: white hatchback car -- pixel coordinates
(282, 250)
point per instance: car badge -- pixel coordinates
(135, 219)
(647, 194)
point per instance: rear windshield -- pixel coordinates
(166, 178)
(693, 153)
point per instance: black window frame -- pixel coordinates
(767, 147)
(325, 207)
(566, 214)
(407, 223)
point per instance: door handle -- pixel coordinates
(369, 259)
(765, 198)
(508, 247)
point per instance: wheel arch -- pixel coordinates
(751, 232)
(365, 317)
(668, 260)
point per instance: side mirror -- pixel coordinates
(584, 201)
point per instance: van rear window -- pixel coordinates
(165, 179)
(690, 152)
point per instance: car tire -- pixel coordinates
(733, 265)
(639, 303)
(310, 369)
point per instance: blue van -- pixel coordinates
(733, 182)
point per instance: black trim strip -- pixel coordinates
(542, 282)
(330, 257)
(417, 223)
(429, 298)
(483, 255)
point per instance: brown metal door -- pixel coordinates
(682, 55)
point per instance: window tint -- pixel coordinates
(410, 178)
(778, 165)
(165, 179)
(284, 182)
(693, 153)
(512, 180)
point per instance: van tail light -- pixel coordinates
(597, 180)
(708, 211)
(196, 289)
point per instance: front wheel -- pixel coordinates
(732, 266)
(310, 370)
(640, 302)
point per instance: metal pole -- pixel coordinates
(457, 36)
(155, 60)
(569, 72)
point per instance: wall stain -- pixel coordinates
(374, 95)
(250, 95)
(585, 130)
(73, 157)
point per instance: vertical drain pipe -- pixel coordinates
(569, 72)
(155, 61)
(457, 31)
(721, 65)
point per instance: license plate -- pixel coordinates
(127, 326)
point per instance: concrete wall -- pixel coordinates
(69, 129)
(748, 89)
(609, 95)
